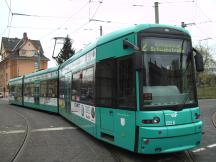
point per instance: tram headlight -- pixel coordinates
(156, 120)
(197, 116)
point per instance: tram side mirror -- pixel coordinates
(127, 44)
(198, 61)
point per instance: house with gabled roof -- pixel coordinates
(19, 57)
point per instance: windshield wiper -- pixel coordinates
(181, 106)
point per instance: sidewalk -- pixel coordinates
(4, 99)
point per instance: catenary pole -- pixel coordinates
(156, 12)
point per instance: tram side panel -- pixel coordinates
(40, 91)
(115, 94)
(76, 100)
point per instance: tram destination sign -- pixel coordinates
(162, 45)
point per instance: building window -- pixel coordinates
(23, 52)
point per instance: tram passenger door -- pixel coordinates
(36, 93)
(68, 92)
(118, 88)
(105, 81)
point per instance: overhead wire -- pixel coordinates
(89, 21)
(9, 28)
(60, 26)
(9, 7)
(39, 16)
(94, 14)
(28, 27)
(86, 23)
(209, 20)
(4, 31)
(10, 16)
(171, 2)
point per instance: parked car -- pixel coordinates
(1, 95)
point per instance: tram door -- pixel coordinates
(36, 93)
(68, 92)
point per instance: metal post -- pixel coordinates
(183, 24)
(156, 13)
(101, 31)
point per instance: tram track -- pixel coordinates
(185, 156)
(116, 156)
(214, 119)
(189, 156)
(24, 143)
(114, 153)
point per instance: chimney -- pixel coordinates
(25, 38)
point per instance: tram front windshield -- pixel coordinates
(168, 72)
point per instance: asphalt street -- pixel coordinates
(53, 139)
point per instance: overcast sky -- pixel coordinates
(45, 19)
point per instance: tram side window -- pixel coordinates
(76, 83)
(61, 87)
(83, 86)
(12, 89)
(52, 88)
(126, 83)
(26, 86)
(18, 90)
(106, 83)
(87, 89)
(29, 89)
(43, 89)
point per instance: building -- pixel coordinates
(19, 57)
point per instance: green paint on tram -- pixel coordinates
(134, 88)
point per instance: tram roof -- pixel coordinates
(15, 79)
(115, 35)
(42, 72)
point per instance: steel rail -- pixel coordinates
(189, 156)
(21, 149)
(214, 119)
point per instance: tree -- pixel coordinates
(206, 78)
(208, 59)
(66, 52)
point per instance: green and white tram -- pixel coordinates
(134, 88)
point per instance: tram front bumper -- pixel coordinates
(155, 140)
